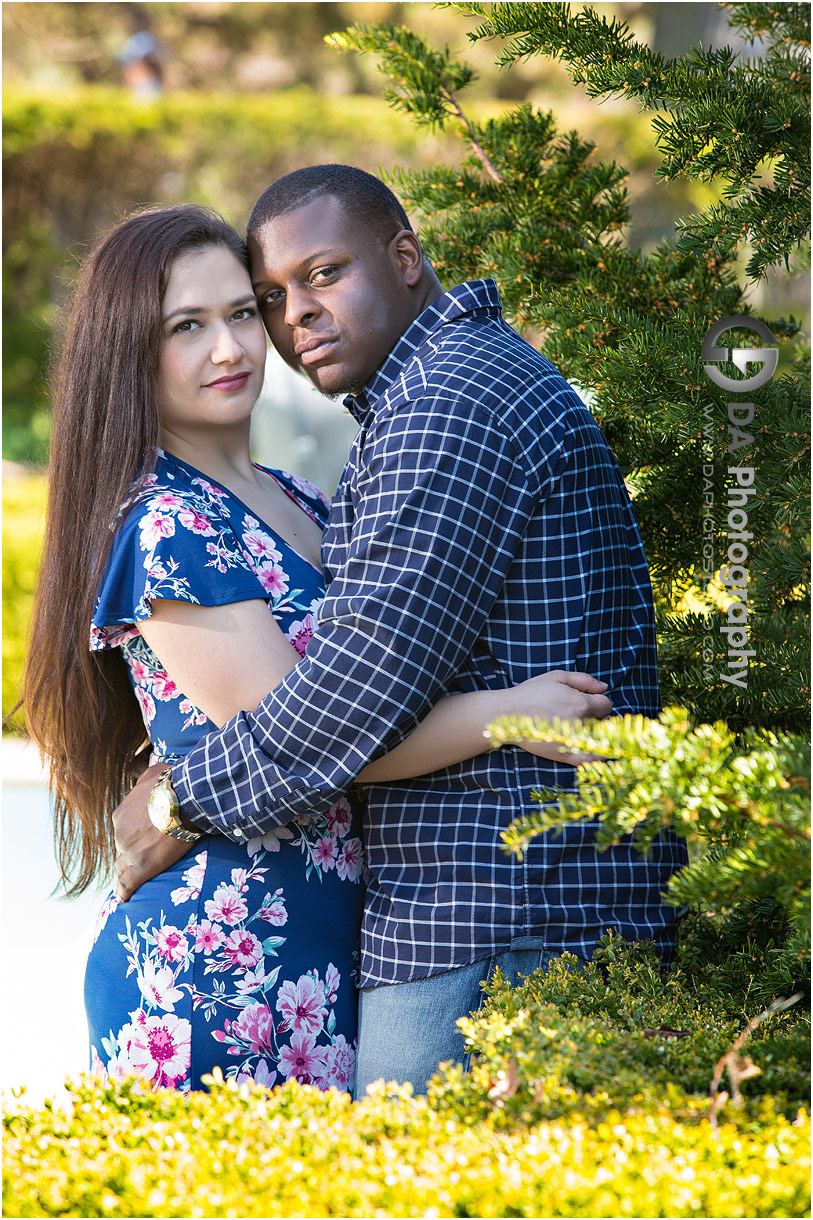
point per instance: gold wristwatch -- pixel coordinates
(165, 811)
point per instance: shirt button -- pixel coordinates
(238, 831)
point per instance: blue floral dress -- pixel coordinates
(241, 955)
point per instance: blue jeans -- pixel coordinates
(407, 1029)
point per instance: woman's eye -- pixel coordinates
(184, 327)
(247, 311)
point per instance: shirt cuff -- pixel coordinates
(192, 813)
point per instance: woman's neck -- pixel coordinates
(226, 458)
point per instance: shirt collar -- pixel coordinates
(464, 299)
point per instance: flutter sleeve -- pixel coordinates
(172, 545)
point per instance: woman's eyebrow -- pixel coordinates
(188, 309)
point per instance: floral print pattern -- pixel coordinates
(231, 957)
(186, 539)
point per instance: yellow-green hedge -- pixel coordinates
(299, 1152)
(23, 521)
(588, 1097)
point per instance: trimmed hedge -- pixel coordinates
(584, 1100)
(23, 521)
(303, 1153)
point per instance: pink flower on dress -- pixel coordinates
(139, 670)
(208, 937)
(171, 943)
(161, 1049)
(210, 488)
(146, 703)
(166, 500)
(324, 853)
(260, 545)
(273, 579)
(239, 879)
(339, 817)
(153, 527)
(302, 1060)
(270, 841)
(310, 489)
(302, 1004)
(300, 633)
(227, 905)
(196, 523)
(108, 907)
(340, 1065)
(163, 687)
(349, 863)
(262, 1075)
(157, 985)
(193, 881)
(255, 1026)
(97, 1067)
(242, 948)
(275, 913)
(156, 572)
(252, 980)
(332, 980)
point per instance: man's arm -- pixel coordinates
(442, 503)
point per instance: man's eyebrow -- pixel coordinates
(190, 309)
(317, 257)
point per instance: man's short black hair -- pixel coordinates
(365, 198)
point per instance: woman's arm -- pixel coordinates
(226, 659)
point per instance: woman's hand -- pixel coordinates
(568, 696)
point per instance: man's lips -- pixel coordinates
(235, 381)
(315, 348)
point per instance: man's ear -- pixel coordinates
(407, 253)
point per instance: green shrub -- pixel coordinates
(23, 520)
(747, 801)
(620, 1033)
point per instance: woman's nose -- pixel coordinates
(227, 347)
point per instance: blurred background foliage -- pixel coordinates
(112, 106)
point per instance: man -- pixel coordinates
(481, 533)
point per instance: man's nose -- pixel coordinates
(300, 306)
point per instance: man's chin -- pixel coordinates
(328, 381)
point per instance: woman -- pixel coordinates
(167, 545)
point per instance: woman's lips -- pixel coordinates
(229, 383)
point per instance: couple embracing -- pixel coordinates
(323, 767)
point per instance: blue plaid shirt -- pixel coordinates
(481, 533)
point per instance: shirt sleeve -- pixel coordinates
(441, 503)
(170, 546)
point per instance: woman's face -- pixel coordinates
(213, 348)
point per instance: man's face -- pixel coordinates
(335, 299)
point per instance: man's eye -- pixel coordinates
(272, 297)
(320, 274)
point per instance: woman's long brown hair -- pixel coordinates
(80, 706)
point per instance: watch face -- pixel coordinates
(160, 810)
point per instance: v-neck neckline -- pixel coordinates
(216, 483)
